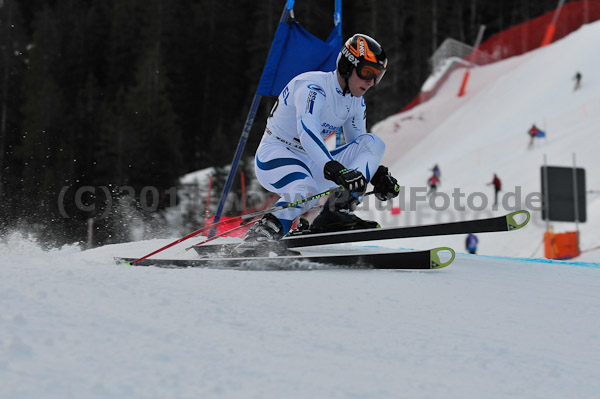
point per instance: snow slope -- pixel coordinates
(75, 325)
(485, 132)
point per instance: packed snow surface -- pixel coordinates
(501, 324)
(74, 324)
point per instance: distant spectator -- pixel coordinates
(436, 170)
(533, 132)
(433, 182)
(577, 79)
(497, 187)
(471, 243)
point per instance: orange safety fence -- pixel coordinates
(524, 37)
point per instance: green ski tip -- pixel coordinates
(435, 261)
(512, 224)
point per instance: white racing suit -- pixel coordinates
(292, 153)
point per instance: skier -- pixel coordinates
(293, 161)
(497, 187)
(533, 132)
(433, 182)
(577, 79)
(471, 243)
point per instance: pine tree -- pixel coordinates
(156, 139)
(45, 113)
(12, 64)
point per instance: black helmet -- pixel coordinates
(366, 55)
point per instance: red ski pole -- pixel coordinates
(244, 224)
(240, 218)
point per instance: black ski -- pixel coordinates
(410, 260)
(495, 224)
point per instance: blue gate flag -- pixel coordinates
(294, 51)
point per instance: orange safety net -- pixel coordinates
(532, 34)
(525, 37)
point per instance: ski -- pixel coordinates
(302, 239)
(409, 260)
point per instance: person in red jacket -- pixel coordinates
(433, 182)
(533, 132)
(497, 187)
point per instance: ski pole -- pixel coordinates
(240, 218)
(244, 224)
(247, 224)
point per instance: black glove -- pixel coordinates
(386, 187)
(351, 180)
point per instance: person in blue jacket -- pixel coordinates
(471, 243)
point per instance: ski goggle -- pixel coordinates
(370, 71)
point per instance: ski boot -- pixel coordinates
(262, 238)
(337, 215)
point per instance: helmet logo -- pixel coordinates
(362, 50)
(350, 56)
